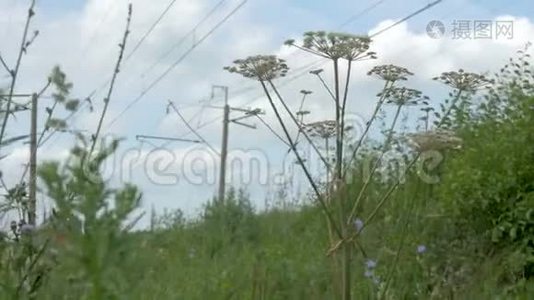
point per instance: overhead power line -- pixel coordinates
(130, 54)
(307, 67)
(177, 62)
(184, 38)
(428, 6)
(149, 31)
(192, 129)
(362, 13)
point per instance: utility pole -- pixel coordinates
(227, 109)
(33, 163)
(225, 133)
(224, 146)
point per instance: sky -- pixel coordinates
(82, 37)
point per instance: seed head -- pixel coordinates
(323, 129)
(336, 45)
(464, 81)
(402, 96)
(260, 67)
(390, 72)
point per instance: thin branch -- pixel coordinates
(339, 142)
(3, 62)
(344, 105)
(389, 276)
(375, 166)
(325, 161)
(31, 266)
(311, 51)
(408, 168)
(14, 73)
(112, 84)
(327, 87)
(368, 126)
(302, 116)
(301, 163)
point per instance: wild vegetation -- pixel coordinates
(441, 210)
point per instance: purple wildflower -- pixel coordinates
(370, 264)
(421, 249)
(358, 224)
(369, 274)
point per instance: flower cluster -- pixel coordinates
(335, 45)
(464, 81)
(421, 249)
(358, 225)
(403, 96)
(390, 73)
(260, 67)
(435, 140)
(370, 266)
(323, 129)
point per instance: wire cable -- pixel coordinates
(195, 132)
(184, 38)
(176, 63)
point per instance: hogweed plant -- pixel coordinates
(265, 68)
(462, 82)
(336, 47)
